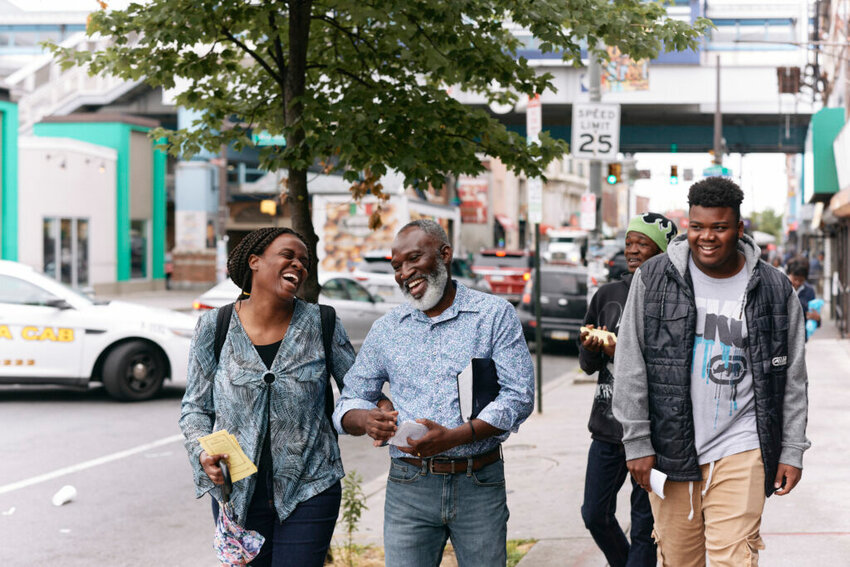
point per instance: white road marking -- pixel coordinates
(89, 464)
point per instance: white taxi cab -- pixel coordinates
(53, 334)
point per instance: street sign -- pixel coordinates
(264, 138)
(533, 125)
(587, 220)
(715, 170)
(595, 131)
(535, 200)
(533, 119)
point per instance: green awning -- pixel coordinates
(825, 126)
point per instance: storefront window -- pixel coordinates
(66, 250)
(66, 254)
(138, 249)
(51, 228)
(82, 252)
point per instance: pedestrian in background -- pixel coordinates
(169, 269)
(816, 272)
(451, 482)
(268, 390)
(798, 273)
(647, 236)
(711, 384)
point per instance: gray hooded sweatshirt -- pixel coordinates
(631, 400)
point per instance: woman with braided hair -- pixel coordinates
(268, 390)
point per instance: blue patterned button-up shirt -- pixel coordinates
(421, 357)
(233, 396)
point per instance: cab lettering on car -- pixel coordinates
(59, 335)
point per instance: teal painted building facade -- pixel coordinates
(139, 184)
(8, 180)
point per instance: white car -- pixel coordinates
(53, 334)
(356, 308)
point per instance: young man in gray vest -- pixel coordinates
(711, 384)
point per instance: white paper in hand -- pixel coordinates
(656, 482)
(407, 429)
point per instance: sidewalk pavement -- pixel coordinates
(545, 465)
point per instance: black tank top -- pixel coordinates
(268, 352)
(264, 490)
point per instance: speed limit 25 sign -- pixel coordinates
(595, 131)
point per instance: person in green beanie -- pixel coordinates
(647, 236)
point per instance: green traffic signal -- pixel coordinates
(615, 170)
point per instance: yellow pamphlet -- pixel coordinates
(222, 442)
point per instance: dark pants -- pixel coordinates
(606, 473)
(303, 538)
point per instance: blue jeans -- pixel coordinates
(424, 509)
(303, 538)
(606, 473)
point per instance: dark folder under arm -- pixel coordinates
(477, 385)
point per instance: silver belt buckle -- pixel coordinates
(440, 460)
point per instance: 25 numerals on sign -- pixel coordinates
(603, 141)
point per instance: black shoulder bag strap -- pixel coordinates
(222, 325)
(328, 316)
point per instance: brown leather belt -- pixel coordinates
(452, 465)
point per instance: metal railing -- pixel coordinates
(43, 88)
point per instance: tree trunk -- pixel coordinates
(299, 33)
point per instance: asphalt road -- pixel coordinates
(135, 500)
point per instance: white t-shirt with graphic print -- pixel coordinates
(721, 377)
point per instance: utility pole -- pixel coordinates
(718, 122)
(534, 188)
(595, 178)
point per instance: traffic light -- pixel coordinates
(615, 170)
(674, 175)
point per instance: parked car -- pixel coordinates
(53, 334)
(376, 273)
(617, 266)
(356, 307)
(563, 303)
(506, 271)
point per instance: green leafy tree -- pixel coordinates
(767, 221)
(361, 85)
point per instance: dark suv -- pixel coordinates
(563, 303)
(617, 266)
